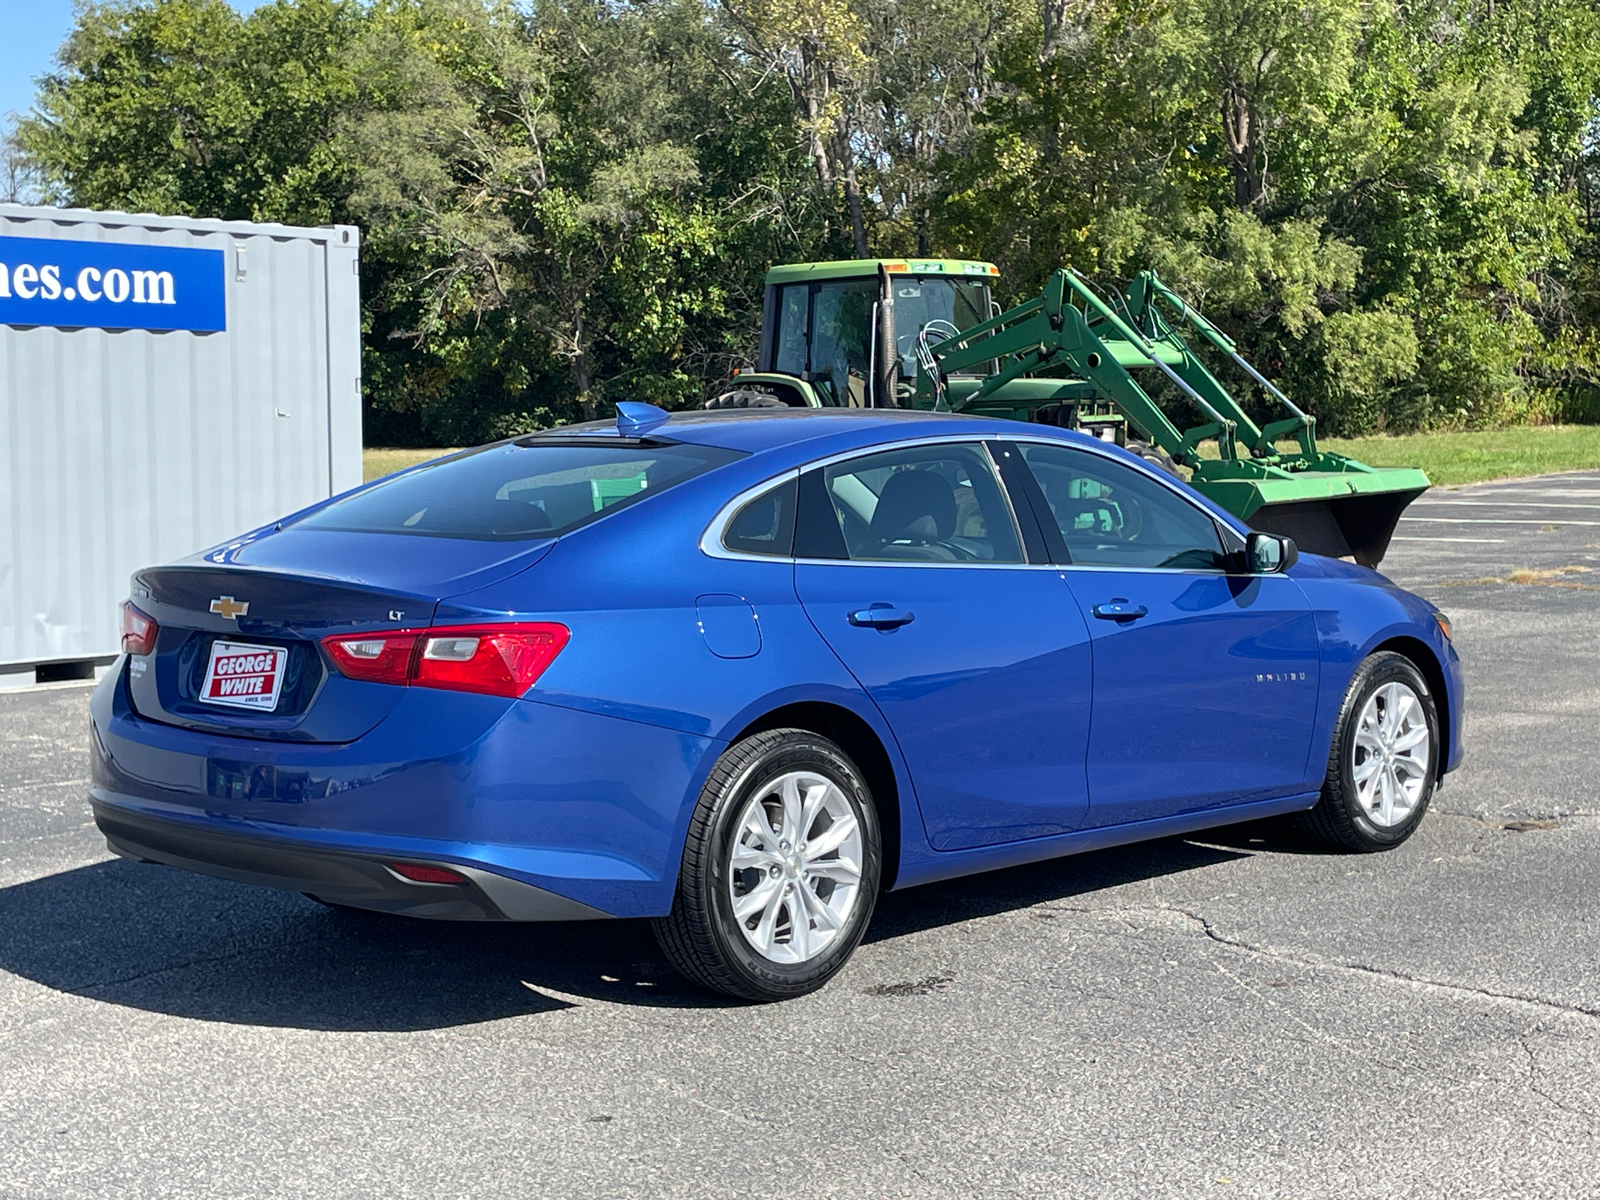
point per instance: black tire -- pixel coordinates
(701, 937)
(1154, 455)
(1338, 820)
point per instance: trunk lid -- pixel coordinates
(237, 652)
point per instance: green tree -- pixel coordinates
(184, 106)
(534, 187)
(1394, 208)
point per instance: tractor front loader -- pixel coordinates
(895, 333)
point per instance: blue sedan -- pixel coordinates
(740, 672)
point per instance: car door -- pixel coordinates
(1205, 677)
(910, 565)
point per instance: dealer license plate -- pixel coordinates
(244, 676)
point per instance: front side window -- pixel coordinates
(537, 488)
(1111, 515)
(937, 503)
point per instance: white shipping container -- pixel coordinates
(165, 383)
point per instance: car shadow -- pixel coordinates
(167, 941)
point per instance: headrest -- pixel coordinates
(914, 504)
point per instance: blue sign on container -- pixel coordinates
(111, 285)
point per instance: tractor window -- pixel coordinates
(791, 351)
(841, 346)
(1111, 515)
(957, 303)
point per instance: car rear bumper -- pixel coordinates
(357, 880)
(552, 813)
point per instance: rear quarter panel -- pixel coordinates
(627, 587)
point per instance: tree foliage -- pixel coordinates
(1394, 207)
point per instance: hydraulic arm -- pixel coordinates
(1329, 503)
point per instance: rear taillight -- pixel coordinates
(376, 658)
(138, 630)
(502, 660)
(498, 660)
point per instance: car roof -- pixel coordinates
(753, 431)
(795, 436)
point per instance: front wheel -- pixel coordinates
(1382, 768)
(780, 872)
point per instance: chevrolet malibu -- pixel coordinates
(738, 673)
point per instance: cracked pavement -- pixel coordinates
(1236, 1013)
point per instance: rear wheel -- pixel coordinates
(1382, 768)
(780, 872)
(1154, 455)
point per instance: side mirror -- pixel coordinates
(1269, 554)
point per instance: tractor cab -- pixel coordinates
(846, 334)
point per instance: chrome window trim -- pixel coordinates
(907, 444)
(938, 566)
(711, 540)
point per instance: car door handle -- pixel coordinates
(881, 617)
(1120, 610)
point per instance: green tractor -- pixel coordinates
(912, 333)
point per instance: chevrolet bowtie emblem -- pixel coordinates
(230, 609)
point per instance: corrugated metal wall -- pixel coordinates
(126, 448)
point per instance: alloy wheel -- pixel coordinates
(795, 867)
(1391, 755)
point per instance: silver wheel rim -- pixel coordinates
(795, 867)
(1389, 761)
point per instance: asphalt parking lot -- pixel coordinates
(1235, 1014)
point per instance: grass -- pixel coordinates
(1456, 458)
(377, 462)
(1449, 459)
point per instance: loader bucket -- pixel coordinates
(1350, 513)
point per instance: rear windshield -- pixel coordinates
(514, 492)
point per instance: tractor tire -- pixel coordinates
(780, 871)
(1383, 765)
(1154, 455)
(745, 398)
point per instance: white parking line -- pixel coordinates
(1519, 490)
(1505, 504)
(1475, 541)
(1496, 521)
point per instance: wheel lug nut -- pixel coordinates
(776, 871)
(783, 845)
(801, 847)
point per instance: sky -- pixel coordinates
(33, 30)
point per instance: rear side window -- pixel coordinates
(521, 491)
(766, 524)
(939, 503)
